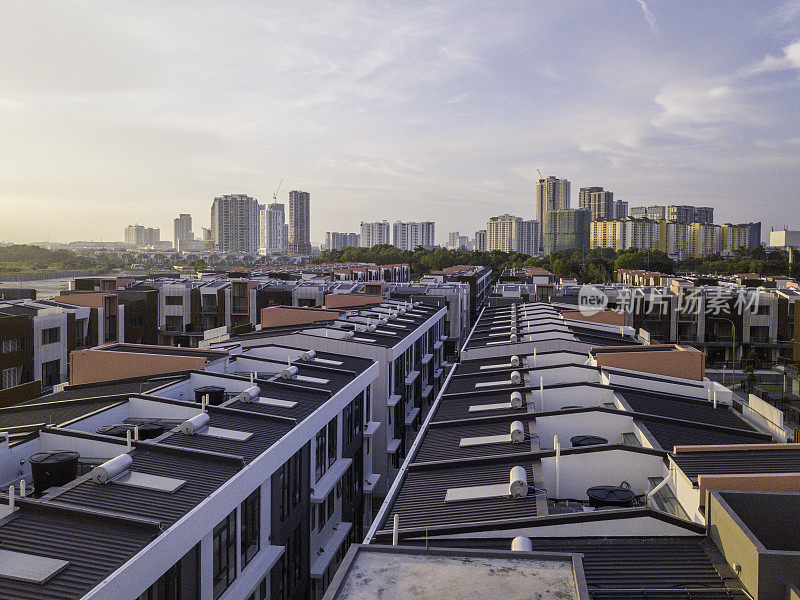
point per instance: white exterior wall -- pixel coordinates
(46, 319)
(583, 470)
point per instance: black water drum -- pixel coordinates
(610, 495)
(216, 394)
(587, 440)
(53, 469)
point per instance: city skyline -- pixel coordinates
(420, 111)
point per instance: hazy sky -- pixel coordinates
(119, 112)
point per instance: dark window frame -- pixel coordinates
(224, 554)
(250, 526)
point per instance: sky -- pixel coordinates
(113, 113)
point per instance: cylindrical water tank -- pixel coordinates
(517, 432)
(610, 495)
(516, 400)
(521, 544)
(587, 440)
(515, 361)
(289, 373)
(147, 430)
(516, 377)
(195, 424)
(215, 393)
(518, 482)
(52, 469)
(253, 392)
(513, 337)
(111, 468)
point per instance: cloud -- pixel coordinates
(685, 105)
(789, 60)
(411, 110)
(648, 14)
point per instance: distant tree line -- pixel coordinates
(592, 266)
(23, 258)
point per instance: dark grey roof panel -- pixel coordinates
(421, 500)
(669, 435)
(93, 547)
(734, 462)
(265, 433)
(657, 568)
(442, 442)
(203, 475)
(697, 411)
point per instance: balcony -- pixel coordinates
(322, 559)
(321, 489)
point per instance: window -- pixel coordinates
(290, 566)
(80, 332)
(261, 592)
(332, 442)
(174, 323)
(251, 526)
(351, 420)
(290, 483)
(322, 515)
(13, 345)
(51, 373)
(331, 503)
(10, 378)
(320, 447)
(173, 300)
(224, 554)
(51, 335)
(180, 582)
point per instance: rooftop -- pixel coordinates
(636, 568)
(405, 572)
(93, 545)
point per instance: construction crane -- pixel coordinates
(540, 174)
(277, 189)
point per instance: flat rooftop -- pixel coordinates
(394, 572)
(758, 511)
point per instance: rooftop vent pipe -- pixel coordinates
(518, 482)
(111, 468)
(195, 424)
(517, 432)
